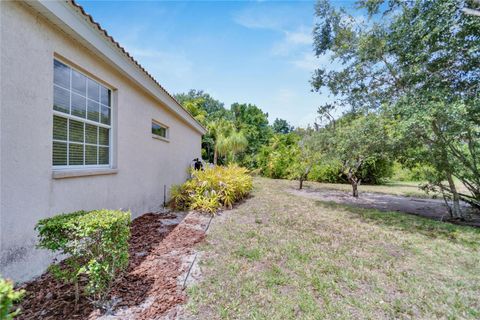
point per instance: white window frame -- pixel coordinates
(156, 136)
(84, 121)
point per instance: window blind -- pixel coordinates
(81, 120)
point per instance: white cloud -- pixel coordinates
(261, 22)
(306, 62)
(292, 41)
(301, 36)
(296, 41)
(264, 16)
(279, 19)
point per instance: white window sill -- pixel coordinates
(154, 136)
(62, 174)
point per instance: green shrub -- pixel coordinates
(279, 158)
(275, 159)
(96, 243)
(415, 173)
(327, 172)
(376, 171)
(8, 296)
(212, 188)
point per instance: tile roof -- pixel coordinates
(97, 25)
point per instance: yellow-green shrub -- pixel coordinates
(212, 189)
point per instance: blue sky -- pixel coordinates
(255, 52)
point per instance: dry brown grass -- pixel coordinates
(280, 256)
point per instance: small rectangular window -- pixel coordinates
(81, 119)
(159, 130)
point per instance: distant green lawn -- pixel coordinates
(398, 188)
(280, 256)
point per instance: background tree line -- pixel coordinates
(406, 99)
(242, 134)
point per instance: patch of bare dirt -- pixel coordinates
(160, 245)
(429, 208)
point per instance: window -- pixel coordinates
(81, 120)
(159, 130)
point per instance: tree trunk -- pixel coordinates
(354, 189)
(304, 176)
(456, 210)
(354, 182)
(215, 156)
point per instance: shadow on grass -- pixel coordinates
(468, 236)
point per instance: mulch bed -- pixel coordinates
(147, 290)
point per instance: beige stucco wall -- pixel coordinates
(27, 190)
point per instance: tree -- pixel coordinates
(362, 140)
(214, 108)
(281, 126)
(446, 137)
(309, 153)
(194, 106)
(228, 140)
(410, 57)
(205, 109)
(253, 122)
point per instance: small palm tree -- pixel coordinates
(228, 140)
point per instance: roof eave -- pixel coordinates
(74, 21)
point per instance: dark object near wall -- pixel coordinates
(197, 164)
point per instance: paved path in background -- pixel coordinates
(429, 208)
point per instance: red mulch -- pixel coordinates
(148, 289)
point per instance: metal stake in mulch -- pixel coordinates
(164, 196)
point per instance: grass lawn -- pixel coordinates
(398, 188)
(280, 256)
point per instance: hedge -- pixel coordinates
(96, 245)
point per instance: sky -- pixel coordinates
(247, 52)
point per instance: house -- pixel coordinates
(83, 126)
